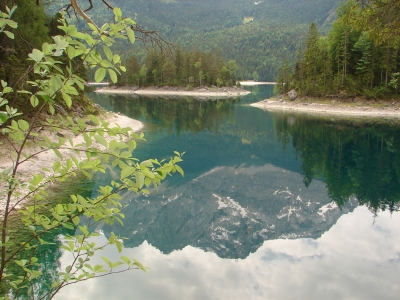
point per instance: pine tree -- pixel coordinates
(284, 77)
(179, 65)
(364, 70)
(311, 57)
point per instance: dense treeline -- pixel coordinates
(259, 47)
(348, 61)
(183, 68)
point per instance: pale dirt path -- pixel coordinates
(391, 111)
(47, 159)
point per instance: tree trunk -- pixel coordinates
(387, 68)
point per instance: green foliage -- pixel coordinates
(380, 18)
(255, 76)
(54, 80)
(7, 22)
(347, 61)
(283, 82)
(194, 68)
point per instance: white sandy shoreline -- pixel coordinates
(362, 111)
(203, 92)
(250, 83)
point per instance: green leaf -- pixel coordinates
(116, 58)
(24, 125)
(146, 163)
(84, 230)
(12, 24)
(126, 260)
(76, 220)
(7, 89)
(147, 173)
(127, 171)
(36, 55)
(34, 101)
(108, 262)
(59, 208)
(94, 119)
(68, 226)
(67, 99)
(104, 27)
(65, 247)
(101, 140)
(93, 27)
(179, 169)
(116, 264)
(71, 52)
(21, 262)
(51, 109)
(100, 74)
(108, 52)
(99, 269)
(24, 92)
(131, 35)
(113, 75)
(9, 34)
(58, 153)
(3, 117)
(36, 179)
(139, 179)
(117, 12)
(119, 245)
(106, 64)
(87, 139)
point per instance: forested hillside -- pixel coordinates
(257, 35)
(359, 55)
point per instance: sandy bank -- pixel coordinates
(388, 110)
(175, 91)
(250, 83)
(46, 159)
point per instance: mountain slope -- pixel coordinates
(258, 35)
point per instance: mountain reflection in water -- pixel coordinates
(230, 211)
(266, 189)
(252, 176)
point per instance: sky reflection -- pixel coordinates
(355, 259)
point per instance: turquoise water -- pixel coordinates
(272, 206)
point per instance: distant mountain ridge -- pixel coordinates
(276, 30)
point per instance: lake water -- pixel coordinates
(272, 206)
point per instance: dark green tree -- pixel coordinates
(284, 78)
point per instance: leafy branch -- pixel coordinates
(56, 80)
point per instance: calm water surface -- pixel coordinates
(272, 206)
